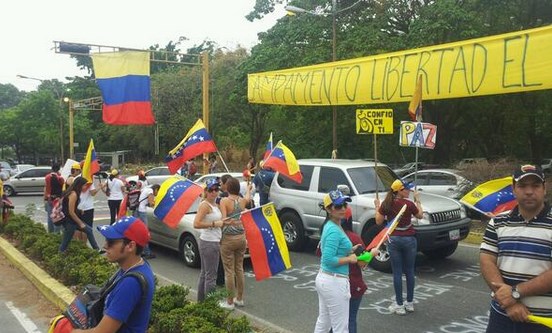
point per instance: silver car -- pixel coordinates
(446, 182)
(31, 180)
(184, 237)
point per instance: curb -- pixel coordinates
(53, 290)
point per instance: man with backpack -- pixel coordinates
(53, 189)
(128, 304)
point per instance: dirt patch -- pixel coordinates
(15, 287)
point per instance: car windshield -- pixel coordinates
(364, 179)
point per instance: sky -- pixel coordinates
(30, 27)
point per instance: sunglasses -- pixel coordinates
(216, 189)
(111, 242)
(338, 207)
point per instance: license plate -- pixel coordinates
(454, 234)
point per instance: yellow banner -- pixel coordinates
(501, 64)
(374, 121)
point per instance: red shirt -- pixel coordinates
(358, 287)
(48, 188)
(406, 218)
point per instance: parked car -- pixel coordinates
(446, 182)
(6, 171)
(21, 167)
(547, 165)
(443, 225)
(30, 180)
(155, 175)
(411, 167)
(184, 238)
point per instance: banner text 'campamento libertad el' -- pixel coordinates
(508, 63)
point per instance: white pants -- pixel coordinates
(333, 303)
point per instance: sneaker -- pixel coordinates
(409, 306)
(239, 303)
(224, 304)
(397, 309)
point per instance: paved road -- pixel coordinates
(450, 294)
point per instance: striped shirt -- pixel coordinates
(524, 251)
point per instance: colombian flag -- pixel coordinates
(176, 195)
(123, 78)
(91, 165)
(266, 242)
(495, 196)
(282, 160)
(196, 142)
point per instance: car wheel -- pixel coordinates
(381, 262)
(189, 251)
(294, 233)
(9, 191)
(441, 252)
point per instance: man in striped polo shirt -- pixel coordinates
(516, 257)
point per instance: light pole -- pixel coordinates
(60, 96)
(321, 12)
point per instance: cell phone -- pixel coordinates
(359, 250)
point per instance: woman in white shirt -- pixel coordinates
(114, 188)
(209, 222)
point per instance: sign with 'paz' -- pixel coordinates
(374, 121)
(414, 134)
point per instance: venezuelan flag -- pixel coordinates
(266, 242)
(123, 78)
(282, 160)
(495, 196)
(415, 106)
(91, 164)
(269, 147)
(196, 142)
(176, 195)
(386, 231)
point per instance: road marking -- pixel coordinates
(21, 317)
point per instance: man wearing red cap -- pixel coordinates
(126, 309)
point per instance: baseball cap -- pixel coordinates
(211, 183)
(114, 172)
(335, 198)
(398, 185)
(76, 166)
(128, 227)
(528, 170)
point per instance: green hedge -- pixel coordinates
(80, 265)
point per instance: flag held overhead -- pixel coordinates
(415, 106)
(283, 160)
(196, 142)
(91, 164)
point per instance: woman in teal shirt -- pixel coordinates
(332, 282)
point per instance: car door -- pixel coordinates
(328, 179)
(31, 180)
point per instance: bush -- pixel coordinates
(171, 311)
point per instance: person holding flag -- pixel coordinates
(515, 257)
(402, 244)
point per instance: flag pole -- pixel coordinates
(376, 163)
(222, 160)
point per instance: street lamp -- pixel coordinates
(60, 97)
(321, 12)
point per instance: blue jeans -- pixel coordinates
(52, 228)
(502, 324)
(354, 305)
(69, 228)
(402, 250)
(144, 217)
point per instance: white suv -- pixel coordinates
(444, 223)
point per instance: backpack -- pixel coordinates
(55, 187)
(57, 215)
(86, 310)
(133, 199)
